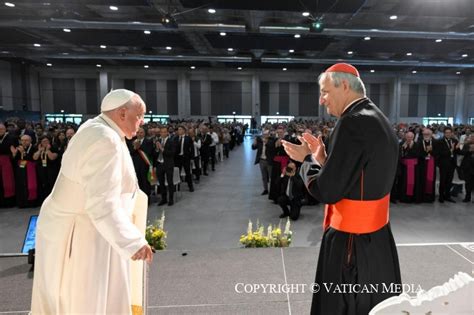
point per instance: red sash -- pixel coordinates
(8, 179)
(357, 216)
(283, 160)
(410, 164)
(430, 175)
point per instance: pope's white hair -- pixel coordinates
(355, 83)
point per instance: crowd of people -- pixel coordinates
(422, 149)
(31, 154)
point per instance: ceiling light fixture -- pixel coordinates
(409, 54)
(223, 33)
(193, 67)
(297, 35)
(414, 71)
(439, 40)
(284, 69)
(367, 38)
(37, 45)
(464, 55)
(393, 17)
(147, 32)
(350, 52)
(458, 72)
(9, 4)
(66, 30)
(305, 14)
(239, 68)
(230, 49)
(113, 8)
(372, 71)
(291, 51)
(103, 46)
(212, 11)
(49, 64)
(146, 66)
(98, 66)
(168, 48)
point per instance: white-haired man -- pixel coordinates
(86, 235)
(354, 179)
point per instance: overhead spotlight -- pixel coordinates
(103, 46)
(113, 8)
(66, 30)
(464, 55)
(37, 45)
(284, 69)
(297, 35)
(168, 21)
(98, 66)
(414, 71)
(65, 53)
(372, 71)
(192, 67)
(291, 51)
(230, 49)
(367, 38)
(393, 17)
(168, 48)
(223, 33)
(350, 52)
(212, 11)
(316, 26)
(305, 14)
(147, 32)
(146, 66)
(409, 54)
(239, 68)
(439, 40)
(439, 114)
(458, 72)
(49, 64)
(9, 4)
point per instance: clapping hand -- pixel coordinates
(309, 145)
(13, 150)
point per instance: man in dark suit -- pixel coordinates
(265, 152)
(141, 150)
(206, 141)
(164, 163)
(447, 148)
(292, 191)
(184, 152)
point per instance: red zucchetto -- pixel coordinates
(343, 67)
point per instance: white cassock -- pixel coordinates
(85, 235)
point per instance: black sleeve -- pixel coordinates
(343, 166)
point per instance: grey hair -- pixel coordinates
(355, 83)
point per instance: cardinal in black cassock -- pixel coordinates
(409, 181)
(427, 171)
(354, 179)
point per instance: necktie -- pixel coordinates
(182, 144)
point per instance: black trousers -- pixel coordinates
(143, 183)
(212, 150)
(183, 162)
(197, 169)
(469, 185)
(446, 174)
(366, 260)
(295, 206)
(163, 172)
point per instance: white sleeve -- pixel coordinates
(101, 172)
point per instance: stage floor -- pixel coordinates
(204, 281)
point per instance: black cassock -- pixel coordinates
(361, 165)
(7, 174)
(409, 180)
(427, 171)
(26, 179)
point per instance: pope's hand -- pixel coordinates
(144, 253)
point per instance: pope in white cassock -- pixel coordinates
(87, 236)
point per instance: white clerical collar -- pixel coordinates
(351, 103)
(113, 125)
